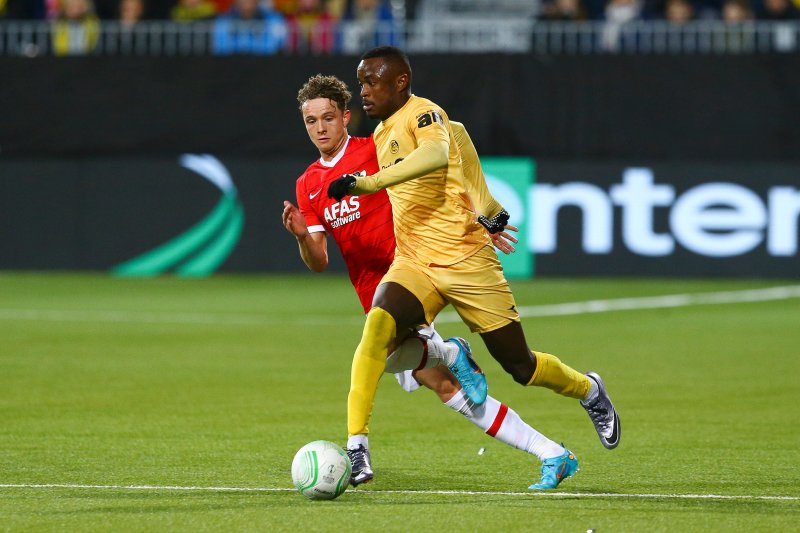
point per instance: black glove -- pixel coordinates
(496, 224)
(340, 187)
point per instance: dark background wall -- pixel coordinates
(95, 213)
(601, 107)
(89, 147)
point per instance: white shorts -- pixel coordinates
(406, 378)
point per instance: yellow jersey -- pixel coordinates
(434, 221)
(474, 179)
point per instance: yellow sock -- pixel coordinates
(551, 373)
(369, 362)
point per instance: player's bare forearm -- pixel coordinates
(313, 246)
(313, 251)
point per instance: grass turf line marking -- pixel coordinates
(421, 492)
(526, 311)
(649, 302)
(144, 317)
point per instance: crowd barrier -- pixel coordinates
(166, 38)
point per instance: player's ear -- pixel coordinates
(401, 83)
(346, 117)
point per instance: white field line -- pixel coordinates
(165, 488)
(649, 302)
(573, 308)
(145, 317)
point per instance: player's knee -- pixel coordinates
(404, 307)
(379, 329)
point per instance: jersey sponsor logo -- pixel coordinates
(428, 118)
(314, 195)
(394, 147)
(340, 213)
(390, 164)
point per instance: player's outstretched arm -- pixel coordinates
(313, 246)
(430, 155)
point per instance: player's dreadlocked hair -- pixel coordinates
(329, 87)
(391, 54)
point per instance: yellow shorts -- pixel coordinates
(476, 288)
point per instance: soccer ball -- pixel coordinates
(321, 470)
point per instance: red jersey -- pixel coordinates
(361, 225)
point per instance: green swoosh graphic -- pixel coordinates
(212, 256)
(201, 249)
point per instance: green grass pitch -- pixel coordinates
(145, 399)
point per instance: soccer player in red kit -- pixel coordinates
(363, 229)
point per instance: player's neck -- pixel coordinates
(333, 154)
(404, 98)
(330, 159)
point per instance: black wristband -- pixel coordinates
(496, 224)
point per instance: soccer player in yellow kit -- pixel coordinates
(367, 244)
(443, 254)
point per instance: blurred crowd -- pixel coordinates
(238, 26)
(676, 14)
(349, 26)
(673, 11)
(321, 14)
